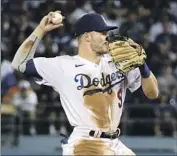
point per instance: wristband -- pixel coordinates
(144, 70)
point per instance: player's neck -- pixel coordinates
(87, 53)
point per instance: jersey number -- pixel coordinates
(119, 96)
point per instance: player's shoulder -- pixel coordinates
(63, 58)
(53, 62)
(63, 62)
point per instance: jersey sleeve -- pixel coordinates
(133, 79)
(47, 71)
(31, 70)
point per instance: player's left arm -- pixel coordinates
(148, 82)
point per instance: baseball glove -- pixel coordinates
(126, 54)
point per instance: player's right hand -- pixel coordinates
(46, 23)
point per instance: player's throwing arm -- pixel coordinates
(27, 49)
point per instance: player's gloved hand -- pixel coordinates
(46, 23)
(127, 54)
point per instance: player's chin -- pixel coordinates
(105, 50)
(102, 50)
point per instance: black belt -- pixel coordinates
(105, 134)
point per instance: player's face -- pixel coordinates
(98, 42)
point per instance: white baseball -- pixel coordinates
(57, 19)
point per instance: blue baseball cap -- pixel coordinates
(91, 22)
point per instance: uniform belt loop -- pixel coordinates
(96, 134)
(99, 134)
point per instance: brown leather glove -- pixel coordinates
(127, 55)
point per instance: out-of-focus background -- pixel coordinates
(31, 115)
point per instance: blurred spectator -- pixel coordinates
(8, 117)
(25, 101)
(161, 55)
(163, 25)
(131, 27)
(173, 96)
(166, 121)
(170, 41)
(173, 8)
(166, 80)
(8, 80)
(82, 7)
(8, 91)
(173, 99)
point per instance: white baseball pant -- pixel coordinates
(80, 143)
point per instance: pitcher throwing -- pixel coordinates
(91, 87)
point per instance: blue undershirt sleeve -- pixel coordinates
(31, 70)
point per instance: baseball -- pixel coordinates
(57, 19)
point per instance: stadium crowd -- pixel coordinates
(151, 23)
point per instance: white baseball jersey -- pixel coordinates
(92, 95)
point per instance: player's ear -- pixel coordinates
(87, 37)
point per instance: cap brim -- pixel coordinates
(104, 29)
(108, 28)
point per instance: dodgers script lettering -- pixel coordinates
(106, 81)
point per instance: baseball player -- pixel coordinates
(91, 87)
